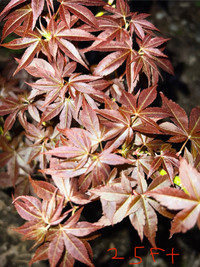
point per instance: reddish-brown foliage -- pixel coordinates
(87, 132)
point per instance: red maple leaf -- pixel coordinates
(78, 156)
(187, 204)
(33, 40)
(150, 56)
(131, 198)
(182, 129)
(62, 86)
(64, 241)
(77, 7)
(167, 159)
(140, 25)
(16, 18)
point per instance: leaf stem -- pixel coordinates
(180, 151)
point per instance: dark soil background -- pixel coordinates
(180, 21)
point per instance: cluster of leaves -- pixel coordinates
(87, 132)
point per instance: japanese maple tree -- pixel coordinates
(83, 130)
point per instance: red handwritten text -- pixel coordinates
(153, 251)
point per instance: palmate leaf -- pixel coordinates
(47, 212)
(15, 106)
(64, 238)
(117, 124)
(133, 201)
(34, 230)
(99, 169)
(79, 144)
(43, 139)
(145, 60)
(59, 36)
(68, 240)
(188, 204)
(182, 129)
(14, 20)
(133, 115)
(48, 40)
(69, 189)
(33, 41)
(111, 29)
(80, 11)
(78, 8)
(64, 109)
(36, 10)
(80, 87)
(90, 121)
(152, 145)
(140, 25)
(82, 160)
(112, 61)
(11, 4)
(150, 56)
(122, 9)
(76, 150)
(82, 126)
(167, 159)
(52, 82)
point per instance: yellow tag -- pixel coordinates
(100, 13)
(177, 181)
(162, 172)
